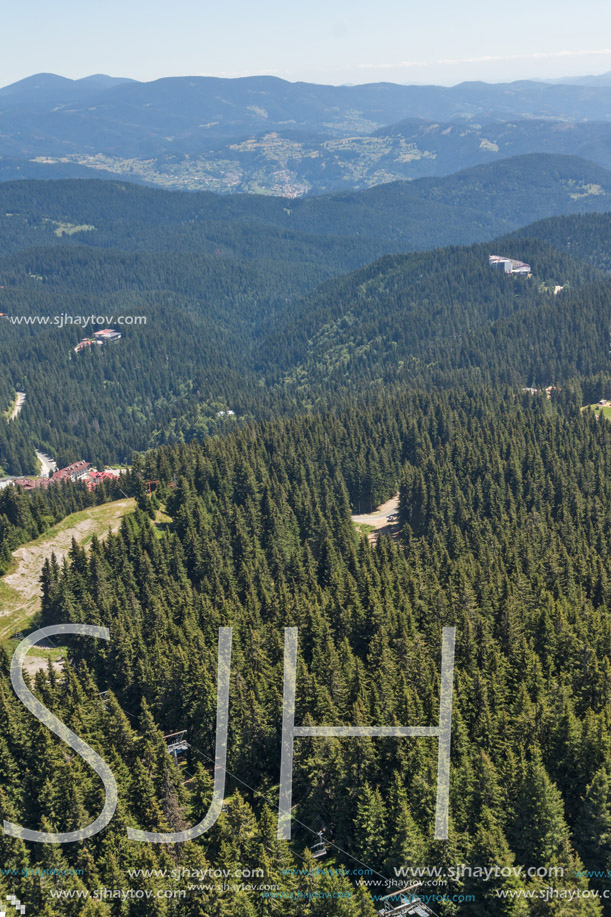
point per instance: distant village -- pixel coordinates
(78, 471)
(509, 265)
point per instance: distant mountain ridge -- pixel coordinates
(264, 134)
(264, 101)
(45, 87)
(601, 79)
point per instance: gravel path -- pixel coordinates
(20, 595)
(46, 464)
(17, 406)
(379, 519)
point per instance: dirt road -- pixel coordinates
(17, 406)
(20, 587)
(380, 519)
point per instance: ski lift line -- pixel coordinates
(294, 817)
(413, 899)
(402, 891)
(191, 776)
(263, 796)
(294, 852)
(319, 849)
(407, 907)
(102, 695)
(176, 743)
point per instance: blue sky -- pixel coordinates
(332, 41)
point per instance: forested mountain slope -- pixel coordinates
(504, 535)
(427, 317)
(189, 345)
(585, 236)
(469, 206)
(208, 334)
(235, 304)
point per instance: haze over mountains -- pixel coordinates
(601, 79)
(264, 134)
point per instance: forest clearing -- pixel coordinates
(20, 592)
(381, 521)
(15, 408)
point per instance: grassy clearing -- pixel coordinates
(364, 529)
(40, 656)
(163, 522)
(68, 229)
(602, 410)
(20, 588)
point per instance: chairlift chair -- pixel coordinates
(320, 848)
(176, 743)
(404, 902)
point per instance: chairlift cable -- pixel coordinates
(294, 817)
(263, 796)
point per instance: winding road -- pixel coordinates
(46, 464)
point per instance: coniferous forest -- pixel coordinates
(351, 376)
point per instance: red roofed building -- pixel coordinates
(73, 472)
(96, 477)
(31, 483)
(78, 471)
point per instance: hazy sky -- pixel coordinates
(332, 41)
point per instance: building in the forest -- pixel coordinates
(77, 471)
(107, 335)
(509, 265)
